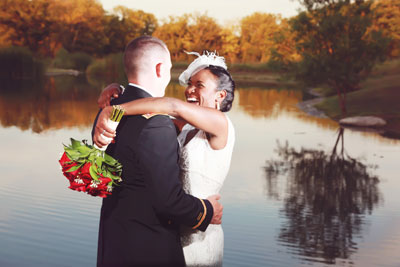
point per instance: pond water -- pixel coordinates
(300, 191)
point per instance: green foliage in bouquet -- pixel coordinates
(101, 164)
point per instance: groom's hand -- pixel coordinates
(217, 207)
(101, 129)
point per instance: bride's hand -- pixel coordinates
(217, 208)
(111, 91)
(101, 129)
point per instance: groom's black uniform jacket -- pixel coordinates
(139, 222)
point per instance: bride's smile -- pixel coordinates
(201, 89)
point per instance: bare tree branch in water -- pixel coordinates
(327, 196)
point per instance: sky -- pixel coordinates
(225, 11)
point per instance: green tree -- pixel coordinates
(336, 45)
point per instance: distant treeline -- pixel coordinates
(46, 26)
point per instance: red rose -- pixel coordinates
(71, 175)
(64, 160)
(66, 164)
(85, 174)
(105, 180)
(77, 184)
(79, 174)
(85, 168)
(99, 188)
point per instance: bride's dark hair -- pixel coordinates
(225, 83)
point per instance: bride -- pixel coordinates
(206, 141)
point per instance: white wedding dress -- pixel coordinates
(203, 171)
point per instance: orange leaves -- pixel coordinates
(387, 19)
(257, 36)
(44, 26)
(262, 35)
(195, 33)
(135, 23)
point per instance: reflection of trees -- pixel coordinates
(327, 197)
(271, 103)
(55, 103)
(268, 102)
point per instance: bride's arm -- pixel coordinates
(207, 119)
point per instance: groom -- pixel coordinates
(139, 222)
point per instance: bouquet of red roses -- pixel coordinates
(90, 169)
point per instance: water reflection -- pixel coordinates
(69, 101)
(327, 197)
(54, 103)
(268, 103)
(272, 103)
(317, 218)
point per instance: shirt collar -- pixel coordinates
(141, 87)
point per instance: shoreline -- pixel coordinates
(242, 78)
(309, 108)
(58, 72)
(267, 79)
(249, 78)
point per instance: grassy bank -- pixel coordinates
(379, 96)
(111, 69)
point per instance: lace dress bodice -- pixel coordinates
(203, 171)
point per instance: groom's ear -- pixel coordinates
(159, 67)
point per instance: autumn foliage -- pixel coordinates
(46, 26)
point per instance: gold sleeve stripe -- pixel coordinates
(204, 215)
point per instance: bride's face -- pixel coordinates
(202, 89)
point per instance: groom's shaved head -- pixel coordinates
(141, 52)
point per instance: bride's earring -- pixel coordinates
(217, 104)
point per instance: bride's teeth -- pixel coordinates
(192, 99)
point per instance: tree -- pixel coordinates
(175, 33)
(257, 36)
(230, 44)
(124, 25)
(387, 19)
(192, 33)
(135, 23)
(28, 23)
(115, 34)
(205, 34)
(81, 25)
(336, 45)
(283, 52)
